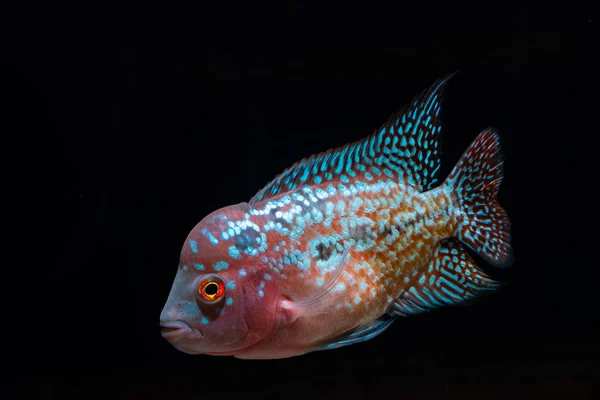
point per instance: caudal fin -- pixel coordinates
(475, 180)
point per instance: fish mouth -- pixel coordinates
(175, 329)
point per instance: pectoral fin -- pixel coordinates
(324, 299)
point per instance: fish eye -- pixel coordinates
(211, 289)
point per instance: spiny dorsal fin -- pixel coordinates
(406, 148)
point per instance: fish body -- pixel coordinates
(342, 243)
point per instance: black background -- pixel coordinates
(126, 122)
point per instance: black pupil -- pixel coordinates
(211, 289)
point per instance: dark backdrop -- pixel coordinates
(131, 121)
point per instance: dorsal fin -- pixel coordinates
(406, 147)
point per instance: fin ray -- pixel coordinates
(407, 148)
(359, 334)
(475, 180)
(451, 278)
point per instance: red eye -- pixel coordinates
(212, 289)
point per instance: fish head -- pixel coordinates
(223, 300)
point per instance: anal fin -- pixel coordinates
(451, 278)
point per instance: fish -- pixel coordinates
(341, 244)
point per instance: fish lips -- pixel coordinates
(178, 330)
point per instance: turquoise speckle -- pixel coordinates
(317, 179)
(268, 277)
(221, 265)
(185, 267)
(229, 301)
(205, 321)
(193, 246)
(242, 272)
(199, 267)
(210, 236)
(261, 293)
(190, 308)
(234, 252)
(230, 285)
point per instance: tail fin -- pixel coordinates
(475, 181)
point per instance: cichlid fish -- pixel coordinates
(340, 244)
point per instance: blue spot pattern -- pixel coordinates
(221, 265)
(476, 181)
(446, 282)
(407, 148)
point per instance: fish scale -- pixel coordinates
(378, 264)
(341, 243)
